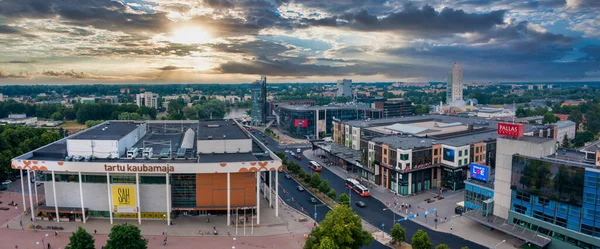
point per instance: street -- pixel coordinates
(373, 212)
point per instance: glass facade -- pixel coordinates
(183, 190)
(567, 196)
(475, 195)
(453, 178)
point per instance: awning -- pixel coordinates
(462, 204)
(61, 210)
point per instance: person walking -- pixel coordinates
(55, 233)
(48, 245)
(165, 241)
(95, 232)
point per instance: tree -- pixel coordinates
(92, 123)
(421, 240)
(464, 247)
(565, 142)
(583, 137)
(331, 194)
(576, 116)
(125, 236)
(315, 180)
(398, 233)
(57, 116)
(343, 227)
(80, 239)
(442, 246)
(324, 187)
(327, 243)
(549, 118)
(344, 199)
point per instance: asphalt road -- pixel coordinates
(373, 212)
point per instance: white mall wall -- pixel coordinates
(221, 146)
(95, 196)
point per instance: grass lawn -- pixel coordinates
(72, 125)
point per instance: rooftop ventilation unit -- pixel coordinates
(209, 138)
(212, 125)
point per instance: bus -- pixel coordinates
(249, 128)
(315, 166)
(357, 187)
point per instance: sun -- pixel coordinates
(190, 35)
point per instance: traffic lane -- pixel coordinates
(301, 199)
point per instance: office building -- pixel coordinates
(395, 108)
(305, 121)
(259, 101)
(274, 105)
(264, 106)
(147, 99)
(565, 128)
(344, 88)
(18, 119)
(151, 170)
(454, 84)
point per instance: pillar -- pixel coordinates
(81, 196)
(168, 201)
(410, 183)
(229, 198)
(257, 197)
(109, 191)
(30, 195)
(270, 188)
(54, 193)
(23, 192)
(276, 194)
(137, 197)
(37, 200)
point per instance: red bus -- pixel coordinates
(357, 187)
(315, 166)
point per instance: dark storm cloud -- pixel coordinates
(8, 30)
(425, 20)
(173, 68)
(514, 4)
(20, 62)
(592, 51)
(220, 3)
(102, 14)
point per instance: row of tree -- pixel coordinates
(120, 236)
(18, 140)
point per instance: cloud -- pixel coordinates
(254, 48)
(425, 20)
(21, 75)
(75, 75)
(9, 30)
(21, 62)
(173, 68)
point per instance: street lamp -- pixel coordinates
(499, 243)
(394, 221)
(37, 243)
(316, 210)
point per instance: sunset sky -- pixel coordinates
(236, 41)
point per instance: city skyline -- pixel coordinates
(235, 41)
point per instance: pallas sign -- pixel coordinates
(511, 130)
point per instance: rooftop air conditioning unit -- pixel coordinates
(209, 138)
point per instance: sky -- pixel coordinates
(236, 41)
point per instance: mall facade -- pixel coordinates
(151, 170)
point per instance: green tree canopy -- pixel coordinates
(421, 240)
(398, 233)
(81, 239)
(343, 227)
(565, 142)
(344, 199)
(125, 237)
(315, 180)
(327, 243)
(324, 186)
(442, 246)
(549, 118)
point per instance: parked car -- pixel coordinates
(361, 204)
(312, 200)
(6, 182)
(298, 151)
(459, 210)
(287, 151)
(292, 153)
(3, 187)
(288, 176)
(300, 188)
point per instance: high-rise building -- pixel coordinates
(454, 84)
(259, 101)
(344, 88)
(147, 99)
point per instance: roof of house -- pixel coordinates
(562, 124)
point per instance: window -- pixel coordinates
(403, 157)
(466, 152)
(384, 160)
(385, 151)
(459, 161)
(435, 152)
(435, 161)
(476, 149)
(460, 153)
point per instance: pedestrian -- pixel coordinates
(21, 223)
(55, 233)
(95, 231)
(48, 245)
(207, 220)
(165, 241)
(16, 247)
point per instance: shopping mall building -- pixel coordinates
(150, 170)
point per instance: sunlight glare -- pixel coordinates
(190, 35)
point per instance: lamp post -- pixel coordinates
(316, 210)
(499, 244)
(37, 243)
(393, 221)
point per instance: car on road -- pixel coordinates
(300, 188)
(6, 182)
(288, 176)
(312, 200)
(287, 151)
(3, 187)
(361, 204)
(292, 153)
(298, 157)
(298, 151)
(459, 210)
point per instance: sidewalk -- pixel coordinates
(461, 226)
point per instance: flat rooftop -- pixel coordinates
(112, 130)
(592, 147)
(427, 127)
(405, 142)
(220, 130)
(327, 107)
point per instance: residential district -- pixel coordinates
(476, 165)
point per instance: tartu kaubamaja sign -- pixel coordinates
(138, 168)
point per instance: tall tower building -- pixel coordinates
(344, 87)
(263, 81)
(454, 84)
